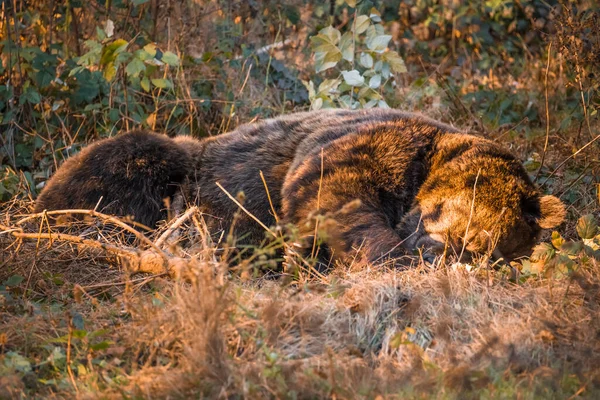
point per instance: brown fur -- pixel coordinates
(386, 182)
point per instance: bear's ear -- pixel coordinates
(552, 212)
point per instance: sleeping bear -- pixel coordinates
(381, 182)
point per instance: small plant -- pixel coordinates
(562, 257)
(358, 63)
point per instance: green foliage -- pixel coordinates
(364, 67)
(561, 257)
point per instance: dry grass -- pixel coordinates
(458, 331)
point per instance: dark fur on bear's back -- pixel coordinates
(412, 181)
(127, 175)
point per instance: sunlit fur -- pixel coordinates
(386, 182)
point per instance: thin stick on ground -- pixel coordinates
(127, 252)
(174, 226)
(92, 213)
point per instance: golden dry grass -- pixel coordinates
(459, 331)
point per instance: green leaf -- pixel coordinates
(375, 15)
(170, 58)
(110, 51)
(78, 321)
(162, 83)
(328, 86)
(324, 61)
(587, 227)
(14, 280)
(331, 33)
(375, 81)
(395, 61)
(139, 2)
(31, 95)
(150, 48)
(135, 67)
(17, 362)
(109, 72)
(327, 55)
(347, 47)
(379, 43)
(101, 346)
(353, 78)
(145, 84)
(571, 248)
(361, 24)
(366, 60)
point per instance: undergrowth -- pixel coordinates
(74, 321)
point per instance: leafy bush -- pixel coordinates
(561, 257)
(364, 65)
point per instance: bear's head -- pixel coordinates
(477, 198)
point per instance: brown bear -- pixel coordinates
(385, 181)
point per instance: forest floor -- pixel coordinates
(75, 323)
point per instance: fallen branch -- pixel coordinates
(101, 216)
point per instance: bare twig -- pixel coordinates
(245, 210)
(174, 226)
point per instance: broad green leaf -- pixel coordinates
(331, 33)
(135, 67)
(366, 60)
(368, 93)
(170, 58)
(328, 85)
(571, 248)
(325, 60)
(385, 70)
(371, 103)
(587, 227)
(379, 43)
(16, 361)
(13, 281)
(375, 81)
(100, 33)
(162, 83)
(327, 55)
(101, 346)
(347, 47)
(361, 24)
(31, 95)
(109, 71)
(395, 61)
(150, 49)
(353, 78)
(145, 84)
(110, 51)
(375, 15)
